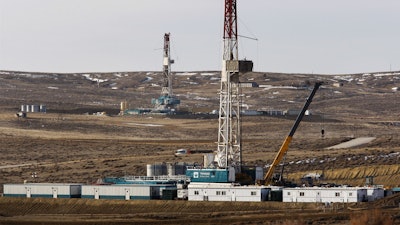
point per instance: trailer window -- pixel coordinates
(196, 192)
(337, 194)
(301, 193)
(253, 193)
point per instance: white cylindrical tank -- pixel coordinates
(170, 169)
(150, 170)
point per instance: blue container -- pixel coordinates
(210, 175)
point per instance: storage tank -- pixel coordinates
(42, 108)
(150, 170)
(180, 169)
(124, 106)
(170, 169)
(158, 169)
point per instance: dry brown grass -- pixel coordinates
(371, 217)
(66, 146)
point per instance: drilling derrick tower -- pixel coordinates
(166, 102)
(229, 152)
(167, 81)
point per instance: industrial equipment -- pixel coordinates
(268, 178)
(166, 103)
(227, 161)
(229, 130)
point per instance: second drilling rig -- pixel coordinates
(166, 102)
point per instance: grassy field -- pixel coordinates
(81, 211)
(70, 144)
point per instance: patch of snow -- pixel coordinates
(386, 74)
(88, 77)
(207, 74)
(185, 74)
(201, 98)
(268, 87)
(54, 88)
(347, 78)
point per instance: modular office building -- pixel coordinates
(226, 192)
(126, 192)
(43, 190)
(325, 194)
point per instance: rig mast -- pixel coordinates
(167, 82)
(229, 152)
(166, 101)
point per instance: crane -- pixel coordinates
(285, 145)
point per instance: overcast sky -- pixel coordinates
(304, 36)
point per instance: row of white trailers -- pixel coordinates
(228, 192)
(197, 192)
(55, 190)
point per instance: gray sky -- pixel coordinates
(305, 36)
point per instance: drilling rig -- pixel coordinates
(229, 152)
(228, 156)
(166, 103)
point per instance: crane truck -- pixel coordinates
(268, 178)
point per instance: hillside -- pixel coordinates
(69, 144)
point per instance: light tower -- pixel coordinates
(166, 101)
(229, 152)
